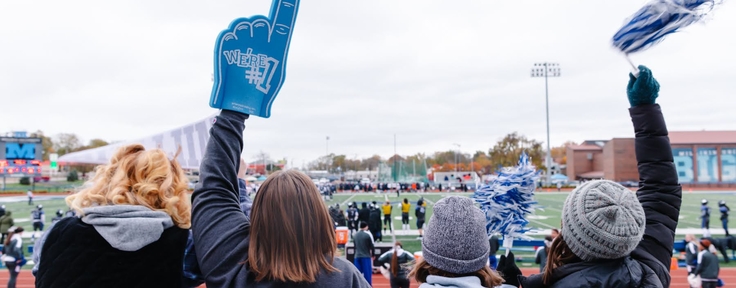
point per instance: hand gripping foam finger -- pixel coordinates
(250, 60)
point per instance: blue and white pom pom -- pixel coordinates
(508, 199)
(657, 19)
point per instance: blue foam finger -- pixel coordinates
(250, 60)
(509, 198)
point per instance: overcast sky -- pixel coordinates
(432, 72)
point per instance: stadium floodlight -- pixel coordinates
(547, 70)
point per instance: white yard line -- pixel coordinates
(348, 200)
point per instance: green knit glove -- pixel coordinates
(644, 89)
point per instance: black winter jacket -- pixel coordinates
(660, 195)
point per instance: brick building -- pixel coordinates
(702, 158)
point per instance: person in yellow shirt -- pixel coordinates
(405, 208)
(387, 217)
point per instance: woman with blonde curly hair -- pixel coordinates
(131, 228)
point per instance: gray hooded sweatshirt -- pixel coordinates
(124, 227)
(459, 282)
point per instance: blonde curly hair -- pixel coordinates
(136, 176)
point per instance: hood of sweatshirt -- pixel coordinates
(127, 227)
(445, 282)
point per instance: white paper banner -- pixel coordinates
(191, 138)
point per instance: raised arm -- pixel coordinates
(219, 226)
(659, 193)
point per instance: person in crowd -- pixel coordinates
(387, 217)
(289, 240)
(374, 222)
(340, 220)
(5, 223)
(493, 244)
(705, 217)
(134, 215)
(405, 207)
(540, 256)
(38, 218)
(455, 248)
(724, 215)
(397, 259)
(420, 212)
(691, 253)
(334, 210)
(554, 233)
(720, 245)
(364, 245)
(353, 217)
(13, 254)
(614, 238)
(59, 215)
(364, 214)
(707, 268)
(70, 213)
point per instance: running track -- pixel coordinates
(26, 280)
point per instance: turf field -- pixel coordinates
(547, 217)
(550, 206)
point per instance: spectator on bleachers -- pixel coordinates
(455, 248)
(614, 238)
(289, 240)
(131, 230)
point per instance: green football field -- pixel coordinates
(546, 217)
(550, 206)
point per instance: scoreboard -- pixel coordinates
(20, 156)
(16, 167)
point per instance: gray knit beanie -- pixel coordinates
(602, 220)
(455, 239)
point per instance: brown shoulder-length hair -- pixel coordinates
(559, 254)
(292, 236)
(488, 278)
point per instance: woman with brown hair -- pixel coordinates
(398, 259)
(131, 228)
(610, 236)
(289, 240)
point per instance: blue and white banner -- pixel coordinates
(684, 163)
(707, 165)
(728, 164)
(191, 138)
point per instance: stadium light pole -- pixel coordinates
(327, 153)
(458, 148)
(546, 70)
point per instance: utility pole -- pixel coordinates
(395, 172)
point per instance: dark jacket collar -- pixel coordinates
(622, 272)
